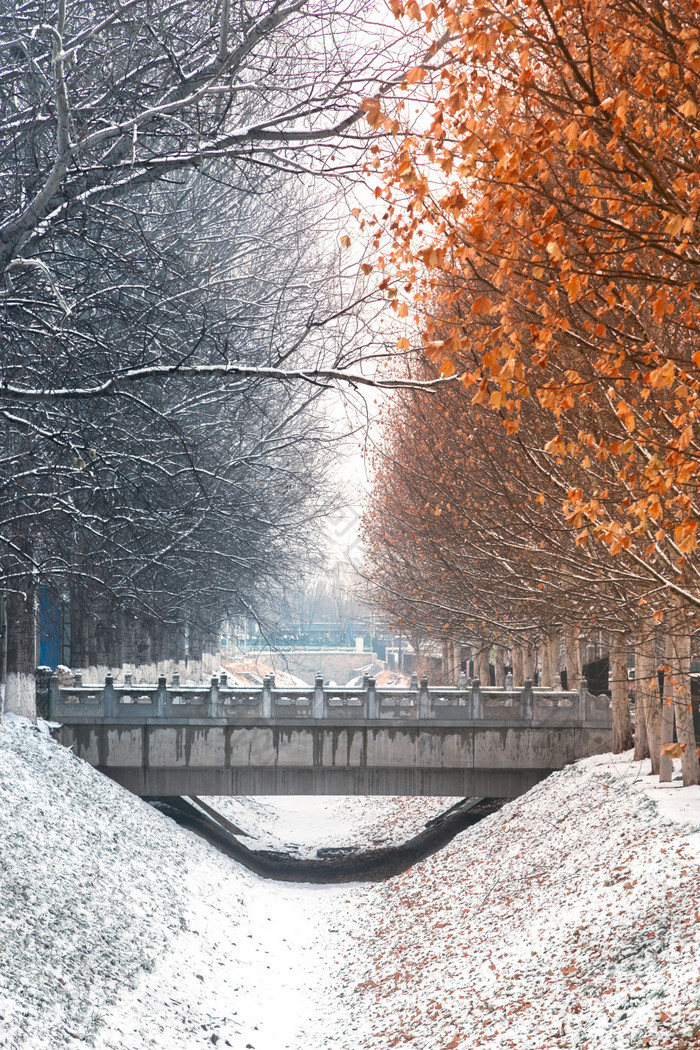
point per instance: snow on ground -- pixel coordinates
(120, 930)
(303, 824)
(569, 919)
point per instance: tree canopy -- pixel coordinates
(537, 207)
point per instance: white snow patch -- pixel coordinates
(673, 800)
(305, 823)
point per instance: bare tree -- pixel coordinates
(157, 218)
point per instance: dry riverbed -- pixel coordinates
(569, 919)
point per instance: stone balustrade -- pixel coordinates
(221, 703)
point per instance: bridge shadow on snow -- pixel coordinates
(342, 864)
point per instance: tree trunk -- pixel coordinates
(195, 653)
(78, 628)
(641, 744)
(648, 701)
(518, 665)
(665, 762)
(482, 663)
(445, 663)
(682, 707)
(177, 646)
(551, 675)
(621, 722)
(144, 642)
(116, 647)
(129, 646)
(543, 678)
(20, 684)
(500, 668)
(454, 660)
(572, 656)
(529, 662)
(103, 629)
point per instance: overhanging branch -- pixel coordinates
(313, 376)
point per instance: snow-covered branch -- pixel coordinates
(313, 376)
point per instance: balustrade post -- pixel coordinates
(78, 679)
(424, 710)
(267, 697)
(175, 681)
(477, 703)
(214, 697)
(223, 679)
(582, 699)
(319, 699)
(128, 679)
(528, 700)
(372, 710)
(108, 698)
(462, 680)
(161, 696)
(509, 689)
(414, 682)
(54, 695)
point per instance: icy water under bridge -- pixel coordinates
(169, 739)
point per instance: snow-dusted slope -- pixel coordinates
(83, 909)
(570, 919)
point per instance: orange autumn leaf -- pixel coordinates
(673, 750)
(416, 75)
(481, 306)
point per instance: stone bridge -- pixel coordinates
(169, 739)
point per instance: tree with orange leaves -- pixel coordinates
(558, 179)
(466, 541)
(545, 218)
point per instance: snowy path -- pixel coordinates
(259, 982)
(258, 964)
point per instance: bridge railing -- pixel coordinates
(172, 702)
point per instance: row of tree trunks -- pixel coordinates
(657, 715)
(658, 718)
(523, 660)
(102, 639)
(454, 656)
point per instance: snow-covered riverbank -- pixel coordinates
(570, 919)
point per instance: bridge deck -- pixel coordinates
(221, 741)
